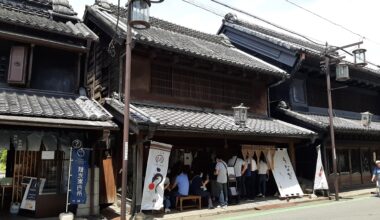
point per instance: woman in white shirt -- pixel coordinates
(263, 176)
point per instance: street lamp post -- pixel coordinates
(341, 70)
(138, 18)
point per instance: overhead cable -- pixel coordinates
(265, 21)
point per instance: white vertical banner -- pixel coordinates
(157, 167)
(320, 181)
(284, 175)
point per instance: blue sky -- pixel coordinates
(361, 16)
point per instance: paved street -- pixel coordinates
(367, 207)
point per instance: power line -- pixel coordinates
(331, 22)
(201, 6)
(220, 14)
(265, 21)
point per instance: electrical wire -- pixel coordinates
(330, 21)
(201, 6)
(265, 21)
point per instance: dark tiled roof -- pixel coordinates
(135, 114)
(208, 121)
(341, 124)
(276, 37)
(169, 36)
(50, 105)
(41, 15)
(288, 41)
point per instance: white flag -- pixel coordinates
(320, 181)
(157, 167)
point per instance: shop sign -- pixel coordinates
(157, 166)
(320, 181)
(33, 189)
(79, 173)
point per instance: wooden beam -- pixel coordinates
(41, 41)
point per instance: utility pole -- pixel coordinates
(331, 122)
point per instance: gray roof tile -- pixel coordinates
(50, 105)
(198, 119)
(341, 124)
(37, 14)
(169, 36)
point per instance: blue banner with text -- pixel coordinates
(79, 173)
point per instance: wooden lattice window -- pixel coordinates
(197, 85)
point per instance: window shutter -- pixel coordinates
(17, 65)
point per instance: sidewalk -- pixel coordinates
(259, 204)
(113, 212)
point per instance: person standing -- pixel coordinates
(221, 181)
(251, 177)
(240, 167)
(376, 176)
(263, 177)
(182, 181)
(167, 203)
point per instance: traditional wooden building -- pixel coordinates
(184, 84)
(44, 106)
(304, 99)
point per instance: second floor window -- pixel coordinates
(54, 70)
(188, 83)
(4, 62)
(298, 91)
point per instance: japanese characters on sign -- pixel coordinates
(79, 167)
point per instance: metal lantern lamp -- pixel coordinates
(342, 72)
(366, 118)
(359, 57)
(240, 115)
(139, 14)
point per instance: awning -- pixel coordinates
(192, 119)
(47, 109)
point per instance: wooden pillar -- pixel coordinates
(138, 158)
(292, 154)
(79, 70)
(92, 183)
(30, 69)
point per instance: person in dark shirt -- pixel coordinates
(198, 187)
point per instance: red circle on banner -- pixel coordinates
(151, 186)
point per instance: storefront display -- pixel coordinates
(37, 158)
